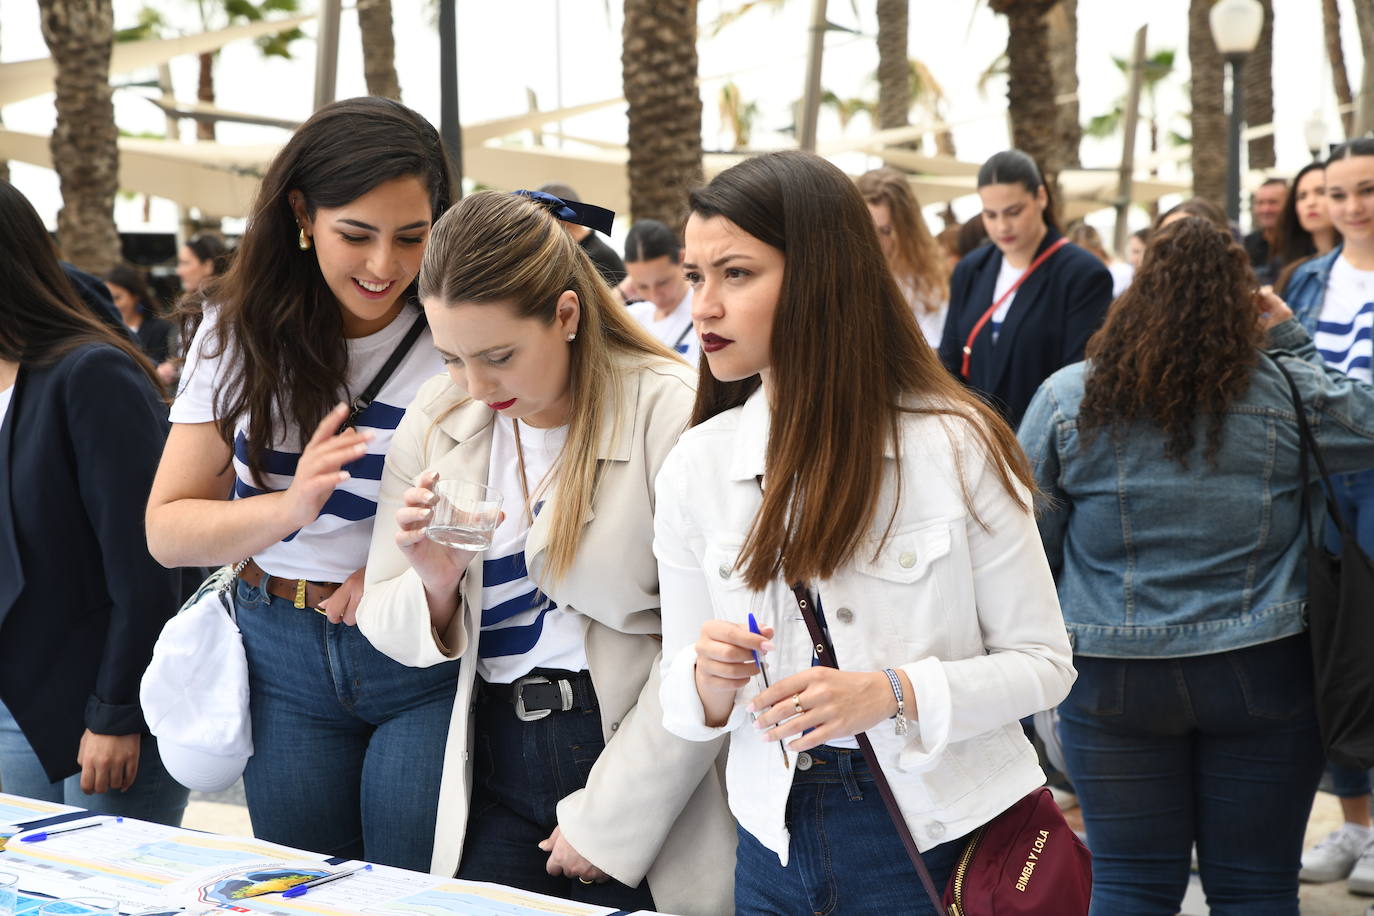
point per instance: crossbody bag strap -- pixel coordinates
(374, 387)
(987, 316)
(825, 654)
(1308, 445)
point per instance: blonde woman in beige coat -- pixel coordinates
(559, 776)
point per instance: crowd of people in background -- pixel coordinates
(1010, 472)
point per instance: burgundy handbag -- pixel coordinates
(1027, 861)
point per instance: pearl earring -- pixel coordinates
(572, 337)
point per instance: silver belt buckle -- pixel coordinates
(564, 691)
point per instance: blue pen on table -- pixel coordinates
(44, 834)
(754, 628)
(300, 889)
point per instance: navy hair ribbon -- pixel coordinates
(573, 211)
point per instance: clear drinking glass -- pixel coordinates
(81, 906)
(9, 893)
(465, 515)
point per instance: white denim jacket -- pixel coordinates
(965, 606)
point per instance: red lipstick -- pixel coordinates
(713, 342)
(501, 405)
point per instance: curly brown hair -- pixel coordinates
(1180, 343)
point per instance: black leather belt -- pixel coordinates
(541, 693)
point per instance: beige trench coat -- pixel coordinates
(654, 804)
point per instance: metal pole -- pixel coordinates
(1237, 62)
(327, 53)
(449, 126)
(811, 93)
(1127, 174)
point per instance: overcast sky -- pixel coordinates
(508, 47)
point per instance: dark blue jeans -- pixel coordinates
(348, 745)
(1355, 496)
(521, 771)
(154, 796)
(1219, 750)
(845, 857)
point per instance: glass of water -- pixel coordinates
(9, 893)
(465, 516)
(81, 906)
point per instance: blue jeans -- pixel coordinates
(154, 796)
(348, 744)
(1355, 497)
(521, 770)
(845, 856)
(1219, 750)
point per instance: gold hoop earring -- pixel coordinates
(304, 240)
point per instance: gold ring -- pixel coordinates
(796, 703)
(585, 881)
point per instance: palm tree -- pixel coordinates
(894, 76)
(1030, 84)
(737, 114)
(1259, 91)
(1207, 89)
(379, 48)
(1331, 27)
(1156, 68)
(1364, 22)
(659, 71)
(1062, 22)
(85, 152)
(218, 14)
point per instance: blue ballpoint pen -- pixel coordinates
(43, 835)
(754, 628)
(300, 889)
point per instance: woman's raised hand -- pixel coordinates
(320, 468)
(1273, 310)
(439, 567)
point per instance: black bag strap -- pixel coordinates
(374, 387)
(1308, 446)
(825, 654)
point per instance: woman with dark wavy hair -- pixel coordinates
(1173, 526)
(268, 468)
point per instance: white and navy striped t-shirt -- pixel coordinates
(333, 546)
(1343, 331)
(522, 628)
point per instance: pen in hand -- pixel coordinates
(754, 628)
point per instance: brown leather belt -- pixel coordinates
(299, 592)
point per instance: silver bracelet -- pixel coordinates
(900, 724)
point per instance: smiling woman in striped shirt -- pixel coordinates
(318, 307)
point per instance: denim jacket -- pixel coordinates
(1155, 560)
(1306, 290)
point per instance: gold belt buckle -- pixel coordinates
(300, 594)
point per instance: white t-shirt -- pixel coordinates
(333, 546)
(1122, 275)
(1006, 277)
(675, 331)
(5, 397)
(1347, 316)
(932, 323)
(522, 628)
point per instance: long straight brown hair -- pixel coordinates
(848, 362)
(916, 257)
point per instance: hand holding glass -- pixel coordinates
(465, 515)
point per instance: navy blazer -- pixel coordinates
(1054, 313)
(81, 599)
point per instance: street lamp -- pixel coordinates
(1236, 27)
(1314, 132)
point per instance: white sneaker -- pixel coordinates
(1362, 876)
(1334, 857)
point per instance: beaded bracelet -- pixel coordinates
(900, 723)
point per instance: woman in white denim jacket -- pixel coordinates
(831, 448)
